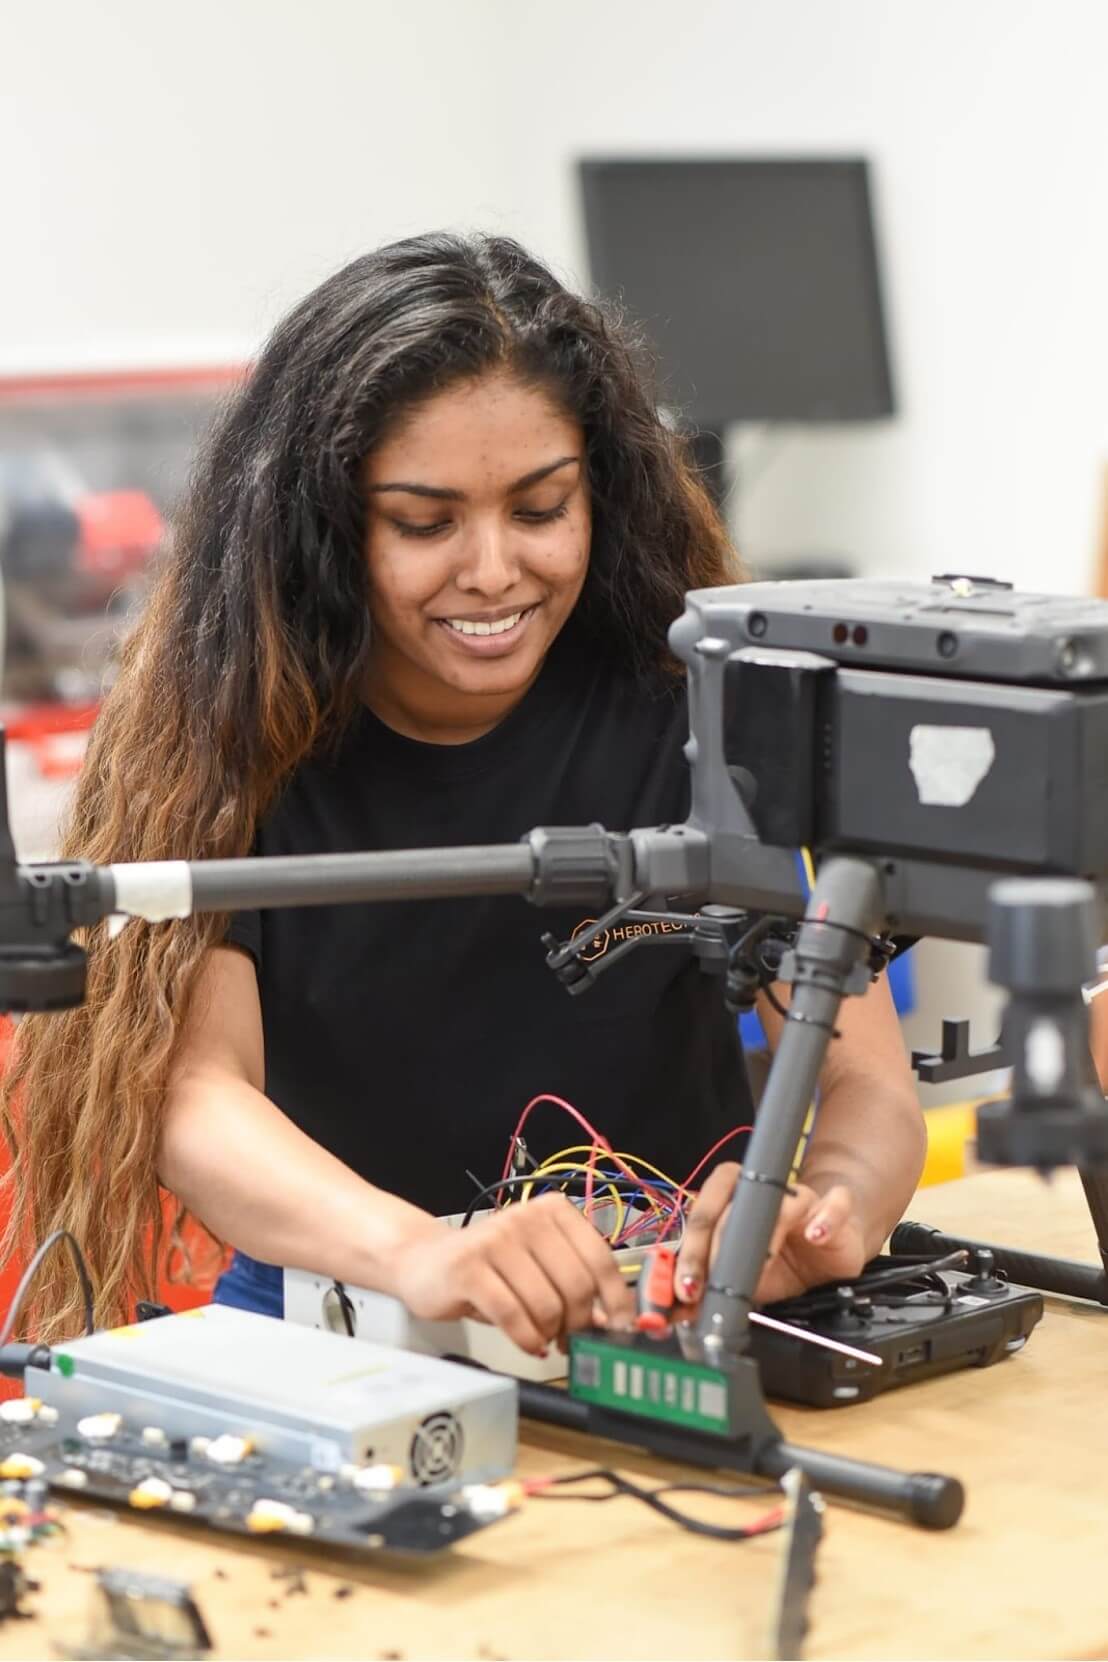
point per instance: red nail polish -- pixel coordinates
(690, 1285)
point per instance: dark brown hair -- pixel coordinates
(253, 649)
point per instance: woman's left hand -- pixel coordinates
(818, 1238)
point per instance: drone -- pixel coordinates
(888, 729)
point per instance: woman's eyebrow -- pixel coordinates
(441, 494)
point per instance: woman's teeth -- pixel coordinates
(466, 626)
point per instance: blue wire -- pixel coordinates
(632, 1198)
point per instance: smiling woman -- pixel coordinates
(419, 594)
(490, 478)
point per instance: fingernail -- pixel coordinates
(690, 1286)
(816, 1231)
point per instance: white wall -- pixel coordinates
(176, 174)
(984, 121)
(985, 124)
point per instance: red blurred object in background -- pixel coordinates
(57, 735)
(119, 532)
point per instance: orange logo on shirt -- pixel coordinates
(599, 944)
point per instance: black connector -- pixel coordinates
(16, 1357)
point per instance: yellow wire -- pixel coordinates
(577, 1148)
(552, 1164)
(562, 1162)
(809, 867)
(633, 1160)
(550, 1167)
(628, 1160)
(802, 1145)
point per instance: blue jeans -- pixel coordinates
(248, 1284)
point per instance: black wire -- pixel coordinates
(747, 967)
(622, 1487)
(767, 973)
(787, 1012)
(32, 1270)
(895, 1275)
(346, 1305)
(620, 1184)
(767, 988)
(929, 1299)
(756, 933)
(877, 942)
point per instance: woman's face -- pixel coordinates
(478, 535)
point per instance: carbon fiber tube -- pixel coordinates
(844, 906)
(554, 1406)
(1024, 1269)
(322, 879)
(925, 1498)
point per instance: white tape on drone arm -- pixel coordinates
(153, 889)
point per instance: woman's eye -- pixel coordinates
(541, 516)
(407, 530)
(527, 516)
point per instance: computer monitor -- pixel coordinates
(757, 282)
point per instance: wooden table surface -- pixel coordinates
(1025, 1573)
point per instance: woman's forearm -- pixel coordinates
(872, 1139)
(256, 1180)
(869, 1133)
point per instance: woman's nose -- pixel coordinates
(489, 566)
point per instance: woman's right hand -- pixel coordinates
(536, 1271)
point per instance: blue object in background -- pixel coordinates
(902, 983)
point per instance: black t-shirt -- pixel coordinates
(407, 1036)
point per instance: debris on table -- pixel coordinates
(135, 1615)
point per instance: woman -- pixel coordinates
(419, 594)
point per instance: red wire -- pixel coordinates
(598, 1143)
(559, 1102)
(700, 1164)
(768, 1520)
(699, 1167)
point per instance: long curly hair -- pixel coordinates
(251, 652)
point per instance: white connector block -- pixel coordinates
(313, 1301)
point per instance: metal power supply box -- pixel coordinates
(297, 1394)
